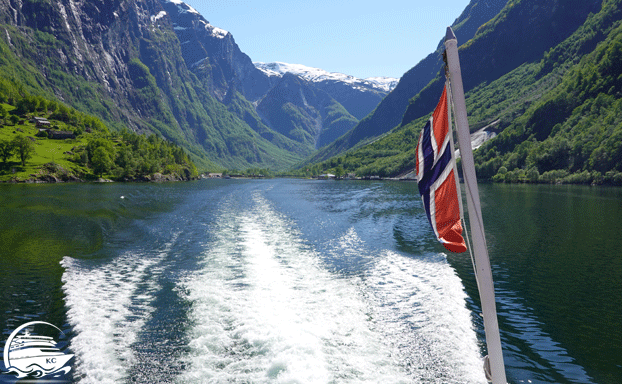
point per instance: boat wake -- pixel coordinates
(108, 304)
(265, 309)
(256, 302)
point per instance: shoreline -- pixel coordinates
(52, 179)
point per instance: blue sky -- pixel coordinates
(361, 38)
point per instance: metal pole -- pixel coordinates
(482, 262)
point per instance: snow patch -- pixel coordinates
(217, 32)
(387, 83)
(158, 16)
(183, 7)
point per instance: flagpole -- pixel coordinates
(483, 272)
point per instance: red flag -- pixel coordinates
(435, 169)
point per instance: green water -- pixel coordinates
(556, 256)
(42, 223)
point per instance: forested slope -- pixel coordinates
(558, 114)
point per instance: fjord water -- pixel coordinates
(301, 281)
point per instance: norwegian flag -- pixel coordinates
(437, 178)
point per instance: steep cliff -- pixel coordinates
(520, 33)
(212, 54)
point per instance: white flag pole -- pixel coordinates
(482, 262)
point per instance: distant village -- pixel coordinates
(324, 176)
(45, 130)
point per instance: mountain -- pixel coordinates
(358, 96)
(159, 66)
(212, 54)
(389, 112)
(554, 102)
(123, 61)
(571, 132)
(520, 33)
(302, 112)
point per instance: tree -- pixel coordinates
(43, 105)
(101, 161)
(6, 149)
(14, 119)
(533, 175)
(100, 142)
(3, 113)
(24, 148)
(339, 172)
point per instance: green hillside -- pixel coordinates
(305, 114)
(557, 114)
(573, 133)
(67, 145)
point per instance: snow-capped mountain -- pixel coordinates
(316, 75)
(358, 96)
(387, 83)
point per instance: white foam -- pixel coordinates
(420, 305)
(266, 310)
(108, 305)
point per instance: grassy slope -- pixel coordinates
(46, 151)
(573, 133)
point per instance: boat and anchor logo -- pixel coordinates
(26, 354)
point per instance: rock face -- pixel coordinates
(212, 54)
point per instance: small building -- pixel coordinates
(326, 176)
(213, 175)
(60, 135)
(40, 122)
